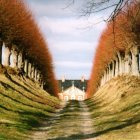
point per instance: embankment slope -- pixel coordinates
(115, 109)
(23, 106)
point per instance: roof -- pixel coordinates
(68, 83)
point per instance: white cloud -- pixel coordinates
(52, 8)
(71, 42)
(70, 25)
(72, 69)
(63, 35)
(72, 64)
(68, 46)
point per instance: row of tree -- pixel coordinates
(18, 29)
(121, 34)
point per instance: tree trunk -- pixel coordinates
(109, 70)
(42, 84)
(32, 72)
(135, 63)
(101, 82)
(122, 66)
(14, 60)
(38, 76)
(105, 76)
(26, 66)
(120, 71)
(29, 69)
(20, 60)
(126, 64)
(1, 46)
(35, 74)
(6, 56)
(117, 68)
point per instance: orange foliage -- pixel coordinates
(18, 27)
(118, 36)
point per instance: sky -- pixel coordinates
(72, 39)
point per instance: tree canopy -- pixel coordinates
(18, 27)
(126, 31)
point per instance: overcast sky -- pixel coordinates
(71, 43)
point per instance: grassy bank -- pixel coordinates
(28, 112)
(23, 106)
(115, 110)
(111, 114)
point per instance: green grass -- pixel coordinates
(27, 112)
(114, 114)
(23, 107)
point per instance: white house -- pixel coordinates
(72, 93)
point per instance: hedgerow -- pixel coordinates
(119, 34)
(18, 27)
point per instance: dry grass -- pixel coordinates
(115, 109)
(112, 114)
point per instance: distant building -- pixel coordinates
(72, 93)
(72, 89)
(65, 83)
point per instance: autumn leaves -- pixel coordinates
(121, 34)
(17, 27)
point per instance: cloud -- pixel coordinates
(81, 51)
(68, 46)
(71, 40)
(53, 8)
(64, 35)
(70, 25)
(72, 70)
(72, 64)
(67, 42)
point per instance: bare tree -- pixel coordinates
(95, 6)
